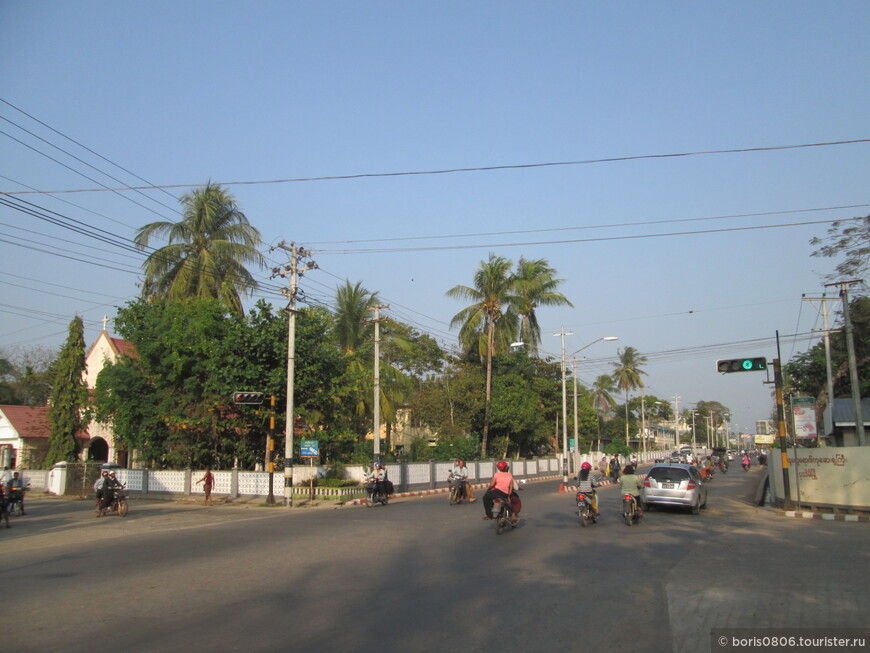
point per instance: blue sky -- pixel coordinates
(182, 93)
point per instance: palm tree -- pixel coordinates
(626, 375)
(535, 286)
(355, 334)
(206, 253)
(489, 323)
(602, 399)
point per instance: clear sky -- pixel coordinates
(652, 249)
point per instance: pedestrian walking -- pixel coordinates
(208, 483)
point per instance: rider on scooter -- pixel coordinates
(501, 486)
(586, 485)
(631, 484)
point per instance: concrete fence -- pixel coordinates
(64, 479)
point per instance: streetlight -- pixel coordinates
(563, 333)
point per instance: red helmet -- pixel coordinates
(585, 466)
(502, 466)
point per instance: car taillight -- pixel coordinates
(646, 483)
(691, 485)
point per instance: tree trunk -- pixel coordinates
(489, 340)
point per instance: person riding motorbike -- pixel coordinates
(631, 484)
(707, 469)
(746, 462)
(501, 486)
(379, 478)
(109, 486)
(461, 471)
(16, 489)
(98, 487)
(586, 485)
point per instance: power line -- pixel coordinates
(520, 166)
(389, 250)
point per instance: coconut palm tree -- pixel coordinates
(352, 317)
(206, 253)
(535, 286)
(489, 323)
(626, 376)
(602, 399)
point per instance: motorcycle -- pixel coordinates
(118, 504)
(15, 507)
(458, 492)
(373, 495)
(584, 509)
(630, 510)
(503, 515)
(745, 466)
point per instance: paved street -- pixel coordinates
(419, 575)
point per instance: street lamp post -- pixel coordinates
(563, 333)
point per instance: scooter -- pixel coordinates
(373, 495)
(584, 509)
(503, 516)
(118, 504)
(630, 510)
(458, 493)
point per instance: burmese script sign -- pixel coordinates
(825, 476)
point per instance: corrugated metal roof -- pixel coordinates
(843, 410)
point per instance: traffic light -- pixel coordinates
(247, 397)
(741, 365)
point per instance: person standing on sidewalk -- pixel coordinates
(208, 483)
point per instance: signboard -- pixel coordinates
(309, 448)
(764, 439)
(803, 411)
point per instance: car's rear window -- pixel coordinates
(668, 474)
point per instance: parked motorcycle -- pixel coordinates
(117, 505)
(584, 509)
(630, 510)
(458, 492)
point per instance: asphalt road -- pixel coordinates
(420, 575)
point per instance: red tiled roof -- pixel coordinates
(124, 347)
(32, 421)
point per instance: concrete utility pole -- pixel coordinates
(376, 406)
(850, 349)
(829, 373)
(296, 253)
(563, 333)
(677, 421)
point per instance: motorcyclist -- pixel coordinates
(707, 469)
(631, 484)
(16, 490)
(461, 471)
(746, 461)
(501, 486)
(109, 486)
(98, 487)
(379, 477)
(586, 485)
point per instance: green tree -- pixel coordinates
(535, 285)
(849, 238)
(488, 324)
(626, 376)
(206, 253)
(602, 400)
(69, 397)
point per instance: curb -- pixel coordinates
(823, 516)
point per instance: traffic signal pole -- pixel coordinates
(780, 419)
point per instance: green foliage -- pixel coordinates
(69, 397)
(850, 239)
(617, 447)
(27, 376)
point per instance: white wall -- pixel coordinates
(829, 476)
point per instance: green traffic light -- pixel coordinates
(747, 364)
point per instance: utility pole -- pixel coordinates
(677, 421)
(850, 349)
(563, 333)
(828, 371)
(296, 253)
(376, 406)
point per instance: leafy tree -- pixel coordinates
(69, 397)
(535, 286)
(850, 238)
(488, 324)
(206, 253)
(27, 376)
(451, 404)
(626, 375)
(602, 400)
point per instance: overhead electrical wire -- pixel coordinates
(443, 171)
